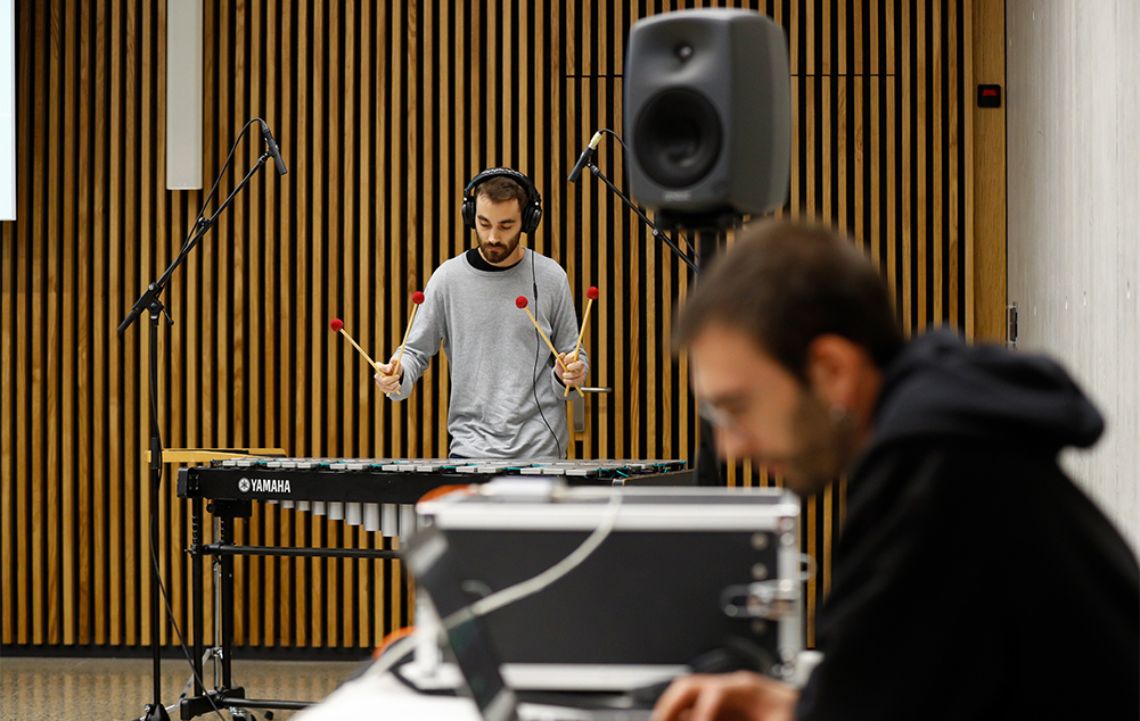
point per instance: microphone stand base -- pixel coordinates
(155, 712)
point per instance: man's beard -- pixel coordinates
(498, 252)
(825, 445)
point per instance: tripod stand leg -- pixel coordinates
(154, 712)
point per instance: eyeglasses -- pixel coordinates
(717, 417)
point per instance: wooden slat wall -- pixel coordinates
(383, 111)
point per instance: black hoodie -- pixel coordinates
(973, 579)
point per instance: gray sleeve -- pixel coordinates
(428, 329)
(564, 330)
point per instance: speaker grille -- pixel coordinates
(679, 137)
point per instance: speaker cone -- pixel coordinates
(680, 137)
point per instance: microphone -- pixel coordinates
(271, 145)
(585, 157)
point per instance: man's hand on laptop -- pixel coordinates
(740, 696)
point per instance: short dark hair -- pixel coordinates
(501, 189)
(786, 283)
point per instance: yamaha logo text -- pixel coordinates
(264, 485)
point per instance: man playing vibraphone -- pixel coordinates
(506, 386)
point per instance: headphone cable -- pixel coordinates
(534, 370)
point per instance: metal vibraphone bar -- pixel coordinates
(378, 494)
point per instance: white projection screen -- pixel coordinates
(7, 109)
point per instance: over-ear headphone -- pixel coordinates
(531, 210)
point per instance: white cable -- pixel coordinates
(391, 656)
(531, 586)
(517, 592)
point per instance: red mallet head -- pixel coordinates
(418, 297)
(592, 292)
(520, 302)
(336, 325)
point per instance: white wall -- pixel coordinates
(1073, 135)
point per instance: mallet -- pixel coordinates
(417, 301)
(591, 295)
(521, 302)
(337, 326)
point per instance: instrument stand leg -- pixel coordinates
(223, 692)
(216, 572)
(227, 513)
(196, 591)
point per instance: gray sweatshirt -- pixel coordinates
(492, 348)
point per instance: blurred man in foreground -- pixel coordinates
(973, 579)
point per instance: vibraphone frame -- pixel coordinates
(361, 481)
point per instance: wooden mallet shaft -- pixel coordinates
(582, 332)
(338, 326)
(417, 300)
(521, 302)
(591, 294)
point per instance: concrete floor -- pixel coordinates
(99, 689)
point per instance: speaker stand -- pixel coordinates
(710, 468)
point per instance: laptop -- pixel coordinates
(431, 563)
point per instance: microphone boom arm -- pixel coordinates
(653, 229)
(151, 295)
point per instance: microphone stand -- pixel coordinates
(708, 466)
(656, 231)
(151, 301)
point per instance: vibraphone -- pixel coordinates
(375, 493)
(380, 493)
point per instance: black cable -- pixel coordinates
(221, 174)
(181, 640)
(203, 225)
(623, 145)
(534, 370)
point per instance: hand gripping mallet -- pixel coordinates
(591, 295)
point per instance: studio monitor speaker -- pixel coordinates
(708, 113)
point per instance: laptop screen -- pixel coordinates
(431, 563)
